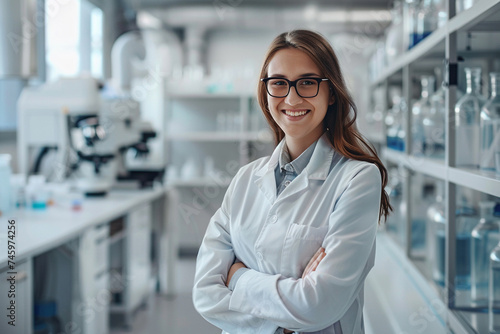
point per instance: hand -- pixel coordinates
(314, 262)
(233, 269)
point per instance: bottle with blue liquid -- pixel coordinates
(396, 135)
(427, 18)
(485, 236)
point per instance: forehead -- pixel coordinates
(292, 62)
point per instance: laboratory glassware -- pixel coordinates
(427, 19)
(394, 38)
(484, 238)
(421, 109)
(462, 5)
(490, 127)
(395, 121)
(434, 124)
(436, 227)
(411, 21)
(395, 191)
(467, 120)
(5, 188)
(418, 214)
(494, 291)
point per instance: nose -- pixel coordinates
(293, 98)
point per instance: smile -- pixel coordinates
(295, 113)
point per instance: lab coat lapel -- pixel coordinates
(265, 178)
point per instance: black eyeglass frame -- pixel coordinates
(293, 84)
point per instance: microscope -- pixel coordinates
(92, 136)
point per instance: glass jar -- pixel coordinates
(462, 5)
(467, 121)
(484, 238)
(421, 110)
(490, 128)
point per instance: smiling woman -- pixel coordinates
(289, 249)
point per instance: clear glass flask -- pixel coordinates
(484, 238)
(422, 109)
(490, 128)
(494, 291)
(467, 121)
(411, 21)
(394, 120)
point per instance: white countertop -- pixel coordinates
(39, 231)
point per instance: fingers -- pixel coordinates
(314, 262)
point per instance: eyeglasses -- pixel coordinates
(280, 87)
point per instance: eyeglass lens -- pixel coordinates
(280, 88)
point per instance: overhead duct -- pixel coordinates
(128, 48)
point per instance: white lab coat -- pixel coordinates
(333, 203)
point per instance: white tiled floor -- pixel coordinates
(171, 316)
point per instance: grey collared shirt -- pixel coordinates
(286, 171)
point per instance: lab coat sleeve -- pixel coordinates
(323, 296)
(211, 297)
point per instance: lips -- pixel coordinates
(296, 112)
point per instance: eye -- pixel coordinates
(278, 82)
(307, 82)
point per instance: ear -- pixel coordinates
(331, 100)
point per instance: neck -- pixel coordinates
(296, 146)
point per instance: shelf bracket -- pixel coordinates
(451, 75)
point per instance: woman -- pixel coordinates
(294, 239)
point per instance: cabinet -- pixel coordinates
(208, 138)
(469, 38)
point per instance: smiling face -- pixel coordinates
(301, 119)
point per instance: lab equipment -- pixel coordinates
(46, 318)
(494, 291)
(467, 120)
(484, 238)
(434, 121)
(462, 5)
(490, 126)
(411, 22)
(18, 184)
(5, 188)
(418, 214)
(421, 110)
(427, 19)
(36, 192)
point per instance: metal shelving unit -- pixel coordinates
(473, 35)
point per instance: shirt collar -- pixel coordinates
(300, 162)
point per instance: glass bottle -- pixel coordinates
(484, 238)
(395, 192)
(494, 291)
(490, 128)
(467, 120)
(411, 20)
(395, 121)
(462, 5)
(465, 220)
(434, 122)
(427, 19)
(418, 213)
(394, 39)
(436, 231)
(421, 110)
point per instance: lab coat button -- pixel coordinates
(273, 219)
(287, 182)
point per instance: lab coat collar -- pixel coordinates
(317, 169)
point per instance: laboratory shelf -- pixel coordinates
(198, 94)
(430, 167)
(483, 16)
(487, 182)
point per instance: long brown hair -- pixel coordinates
(339, 122)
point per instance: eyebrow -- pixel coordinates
(300, 76)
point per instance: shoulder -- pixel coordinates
(252, 167)
(355, 170)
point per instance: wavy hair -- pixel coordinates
(340, 119)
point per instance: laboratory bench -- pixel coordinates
(108, 257)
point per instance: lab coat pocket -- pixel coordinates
(301, 242)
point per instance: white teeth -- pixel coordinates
(295, 113)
